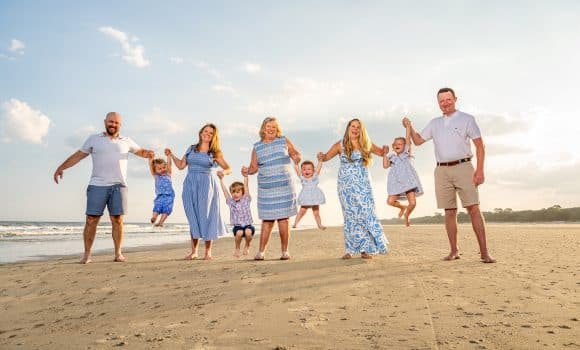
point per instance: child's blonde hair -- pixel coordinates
(400, 138)
(159, 161)
(307, 162)
(235, 186)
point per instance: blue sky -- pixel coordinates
(170, 67)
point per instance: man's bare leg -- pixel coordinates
(478, 225)
(89, 234)
(117, 224)
(451, 228)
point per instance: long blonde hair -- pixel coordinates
(263, 127)
(364, 143)
(214, 145)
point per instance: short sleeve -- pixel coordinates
(133, 147)
(472, 129)
(87, 146)
(229, 201)
(427, 133)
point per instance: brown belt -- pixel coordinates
(455, 162)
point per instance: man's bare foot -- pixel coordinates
(237, 253)
(488, 259)
(192, 256)
(402, 211)
(347, 256)
(119, 258)
(86, 259)
(364, 255)
(452, 256)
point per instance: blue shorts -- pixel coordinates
(113, 197)
(163, 203)
(243, 229)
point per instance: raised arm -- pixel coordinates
(69, 162)
(297, 169)
(179, 163)
(226, 169)
(331, 153)
(386, 160)
(417, 139)
(253, 167)
(478, 175)
(169, 166)
(293, 152)
(223, 186)
(379, 151)
(151, 166)
(408, 139)
(246, 187)
(318, 167)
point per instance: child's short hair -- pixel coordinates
(400, 138)
(237, 186)
(306, 162)
(159, 161)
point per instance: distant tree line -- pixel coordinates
(551, 214)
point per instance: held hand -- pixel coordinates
(57, 174)
(245, 171)
(406, 122)
(168, 152)
(220, 174)
(385, 150)
(148, 153)
(320, 156)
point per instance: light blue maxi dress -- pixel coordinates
(362, 229)
(276, 195)
(201, 197)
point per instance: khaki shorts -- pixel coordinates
(450, 180)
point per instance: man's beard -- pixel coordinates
(114, 132)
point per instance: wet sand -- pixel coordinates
(408, 299)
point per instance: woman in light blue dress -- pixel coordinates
(363, 232)
(272, 157)
(201, 189)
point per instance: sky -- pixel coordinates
(170, 67)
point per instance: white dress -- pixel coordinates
(310, 193)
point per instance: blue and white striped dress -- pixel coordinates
(276, 196)
(201, 197)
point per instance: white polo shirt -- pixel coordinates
(109, 158)
(451, 136)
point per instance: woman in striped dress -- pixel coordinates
(271, 159)
(201, 189)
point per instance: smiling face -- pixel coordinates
(270, 129)
(113, 124)
(307, 170)
(206, 134)
(354, 129)
(160, 169)
(237, 194)
(446, 102)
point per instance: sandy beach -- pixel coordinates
(408, 299)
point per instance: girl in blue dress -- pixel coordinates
(201, 189)
(311, 196)
(164, 194)
(402, 182)
(363, 232)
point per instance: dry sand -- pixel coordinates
(408, 299)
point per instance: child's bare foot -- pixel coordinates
(86, 259)
(207, 256)
(322, 227)
(407, 221)
(192, 256)
(119, 258)
(152, 220)
(294, 226)
(487, 259)
(237, 253)
(159, 225)
(246, 251)
(347, 256)
(452, 256)
(402, 211)
(364, 255)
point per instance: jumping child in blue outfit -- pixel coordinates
(164, 194)
(402, 182)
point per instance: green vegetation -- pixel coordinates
(551, 214)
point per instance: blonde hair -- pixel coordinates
(214, 144)
(263, 127)
(159, 161)
(364, 143)
(237, 186)
(400, 138)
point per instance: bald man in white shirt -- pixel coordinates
(108, 183)
(454, 175)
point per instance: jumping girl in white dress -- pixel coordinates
(310, 196)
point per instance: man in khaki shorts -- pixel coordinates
(454, 174)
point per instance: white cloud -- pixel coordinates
(176, 60)
(225, 89)
(19, 121)
(210, 70)
(17, 46)
(132, 53)
(240, 129)
(252, 67)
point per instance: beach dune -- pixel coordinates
(408, 299)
